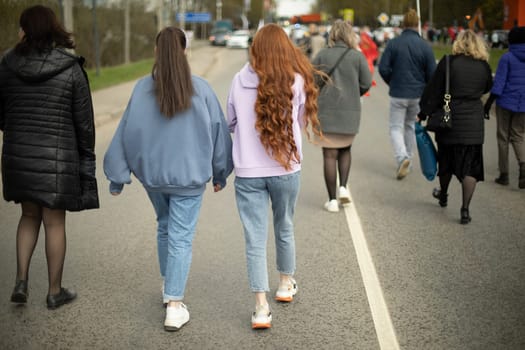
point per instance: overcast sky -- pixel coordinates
(293, 7)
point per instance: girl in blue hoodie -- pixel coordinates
(174, 138)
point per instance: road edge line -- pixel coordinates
(385, 332)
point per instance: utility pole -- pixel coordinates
(431, 12)
(127, 34)
(160, 15)
(183, 14)
(218, 4)
(61, 8)
(95, 37)
(68, 15)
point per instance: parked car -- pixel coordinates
(219, 36)
(240, 39)
(500, 38)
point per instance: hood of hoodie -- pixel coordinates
(39, 66)
(248, 77)
(518, 50)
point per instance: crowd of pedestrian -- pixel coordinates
(174, 137)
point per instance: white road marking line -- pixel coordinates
(382, 321)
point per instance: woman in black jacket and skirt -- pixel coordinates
(460, 149)
(48, 158)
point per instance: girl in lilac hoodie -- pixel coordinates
(271, 100)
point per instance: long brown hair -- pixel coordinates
(42, 31)
(171, 72)
(276, 61)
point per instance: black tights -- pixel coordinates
(468, 185)
(336, 159)
(27, 236)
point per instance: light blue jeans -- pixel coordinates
(176, 217)
(403, 113)
(253, 195)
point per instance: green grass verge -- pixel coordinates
(110, 76)
(495, 54)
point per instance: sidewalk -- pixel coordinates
(110, 103)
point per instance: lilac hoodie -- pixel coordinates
(250, 159)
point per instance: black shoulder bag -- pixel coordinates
(441, 120)
(322, 82)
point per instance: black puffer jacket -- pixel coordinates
(469, 80)
(46, 116)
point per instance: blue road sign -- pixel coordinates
(200, 17)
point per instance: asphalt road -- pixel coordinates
(445, 285)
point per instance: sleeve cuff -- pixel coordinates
(220, 182)
(115, 188)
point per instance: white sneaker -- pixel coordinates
(286, 292)
(403, 169)
(344, 195)
(262, 317)
(176, 317)
(332, 206)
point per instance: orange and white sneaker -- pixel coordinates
(286, 291)
(262, 317)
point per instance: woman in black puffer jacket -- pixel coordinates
(460, 149)
(48, 158)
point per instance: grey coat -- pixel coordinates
(339, 102)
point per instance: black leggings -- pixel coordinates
(336, 160)
(54, 221)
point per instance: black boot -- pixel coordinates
(19, 292)
(465, 217)
(64, 297)
(521, 182)
(443, 197)
(502, 179)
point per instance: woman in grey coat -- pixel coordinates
(340, 107)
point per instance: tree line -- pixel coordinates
(145, 24)
(443, 12)
(110, 22)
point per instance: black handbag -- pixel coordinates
(441, 120)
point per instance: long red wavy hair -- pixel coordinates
(276, 60)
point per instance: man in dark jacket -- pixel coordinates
(407, 64)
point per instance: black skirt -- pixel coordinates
(461, 161)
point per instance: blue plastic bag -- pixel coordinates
(427, 153)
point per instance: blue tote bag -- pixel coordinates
(427, 153)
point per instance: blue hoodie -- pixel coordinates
(509, 81)
(176, 155)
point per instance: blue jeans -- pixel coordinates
(253, 195)
(403, 113)
(176, 217)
